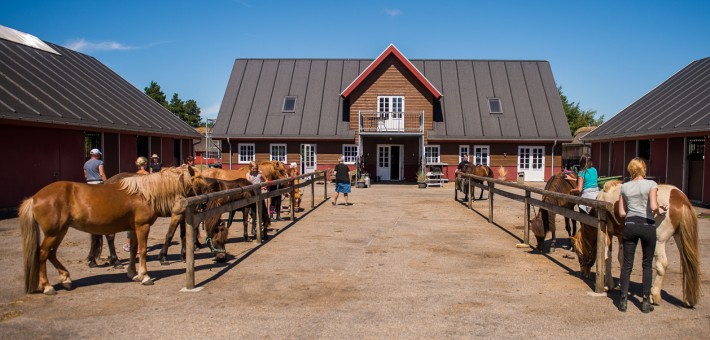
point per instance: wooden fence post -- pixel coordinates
(601, 243)
(490, 201)
(526, 236)
(325, 185)
(470, 194)
(313, 191)
(258, 219)
(190, 248)
(293, 200)
(456, 192)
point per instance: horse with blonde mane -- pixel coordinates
(272, 170)
(133, 205)
(681, 222)
(545, 221)
(478, 170)
(293, 172)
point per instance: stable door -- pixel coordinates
(309, 161)
(531, 161)
(389, 162)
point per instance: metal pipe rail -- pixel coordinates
(193, 218)
(594, 221)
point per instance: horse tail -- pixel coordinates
(97, 245)
(689, 255)
(30, 245)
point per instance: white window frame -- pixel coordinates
(389, 104)
(468, 153)
(295, 103)
(271, 153)
(500, 103)
(438, 153)
(242, 160)
(488, 154)
(354, 156)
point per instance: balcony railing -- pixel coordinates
(391, 122)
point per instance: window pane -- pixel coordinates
(289, 105)
(494, 106)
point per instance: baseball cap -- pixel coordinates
(95, 152)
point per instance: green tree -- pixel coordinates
(576, 117)
(154, 92)
(192, 113)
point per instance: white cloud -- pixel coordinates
(242, 3)
(210, 111)
(82, 45)
(392, 12)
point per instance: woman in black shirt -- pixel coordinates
(156, 165)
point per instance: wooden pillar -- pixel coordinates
(601, 242)
(293, 200)
(526, 236)
(313, 190)
(190, 248)
(258, 218)
(325, 185)
(470, 194)
(490, 202)
(456, 192)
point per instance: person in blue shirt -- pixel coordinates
(586, 181)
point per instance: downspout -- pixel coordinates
(230, 153)
(552, 163)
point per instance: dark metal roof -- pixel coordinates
(252, 103)
(680, 104)
(75, 89)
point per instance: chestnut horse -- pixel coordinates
(272, 170)
(545, 221)
(478, 170)
(681, 222)
(134, 205)
(293, 172)
(218, 231)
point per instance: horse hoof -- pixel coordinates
(93, 265)
(67, 285)
(50, 291)
(118, 266)
(164, 263)
(552, 250)
(136, 279)
(147, 282)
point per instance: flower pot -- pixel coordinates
(422, 185)
(361, 184)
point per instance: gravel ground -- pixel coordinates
(399, 263)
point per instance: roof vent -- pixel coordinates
(494, 105)
(289, 104)
(22, 38)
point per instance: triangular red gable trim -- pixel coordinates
(391, 50)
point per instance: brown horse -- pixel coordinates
(218, 231)
(681, 222)
(272, 170)
(544, 221)
(134, 205)
(478, 170)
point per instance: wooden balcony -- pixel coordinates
(391, 122)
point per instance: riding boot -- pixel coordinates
(622, 303)
(646, 305)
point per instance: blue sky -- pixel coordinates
(604, 54)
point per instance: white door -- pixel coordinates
(308, 158)
(531, 161)
(383, 162)
(390, 113)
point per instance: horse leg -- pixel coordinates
(44, 251)
(609, 280)
(245, 222)
(661, 265)
(95, 250)
(267, 222)
(481, 196)
(553, 244)
(620, 257)
(142, 238)
(113, 260)
(163, 256)
(52, 256)
(131, 271)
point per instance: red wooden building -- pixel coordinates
(57, 104)
(668, 127)
(394, 112)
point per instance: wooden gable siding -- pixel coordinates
(391, 78)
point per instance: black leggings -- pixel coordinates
(638, 228)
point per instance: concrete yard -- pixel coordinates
(399, 263)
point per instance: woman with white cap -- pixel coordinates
(94, 168)
(156, 165)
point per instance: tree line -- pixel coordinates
(576, 117)
(187, 110)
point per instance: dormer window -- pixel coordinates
(289, 104)
(494, 105)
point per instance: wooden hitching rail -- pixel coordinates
(598, 222)
(193, 218)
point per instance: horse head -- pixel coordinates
(585, 246)
(537, 225)
(469, 169)
(217, 237)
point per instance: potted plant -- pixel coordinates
(502, 173)
(421, 179)
(361, 182)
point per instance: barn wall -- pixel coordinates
(71, 161)
(659, 152)
(617, 158)
(167, 155)
(129, 153)
(110, 156)
(155, 148)
(629, 154)
(675, 161)
(186, 148)
(706, 175)
(603, 165)
(597, 156)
